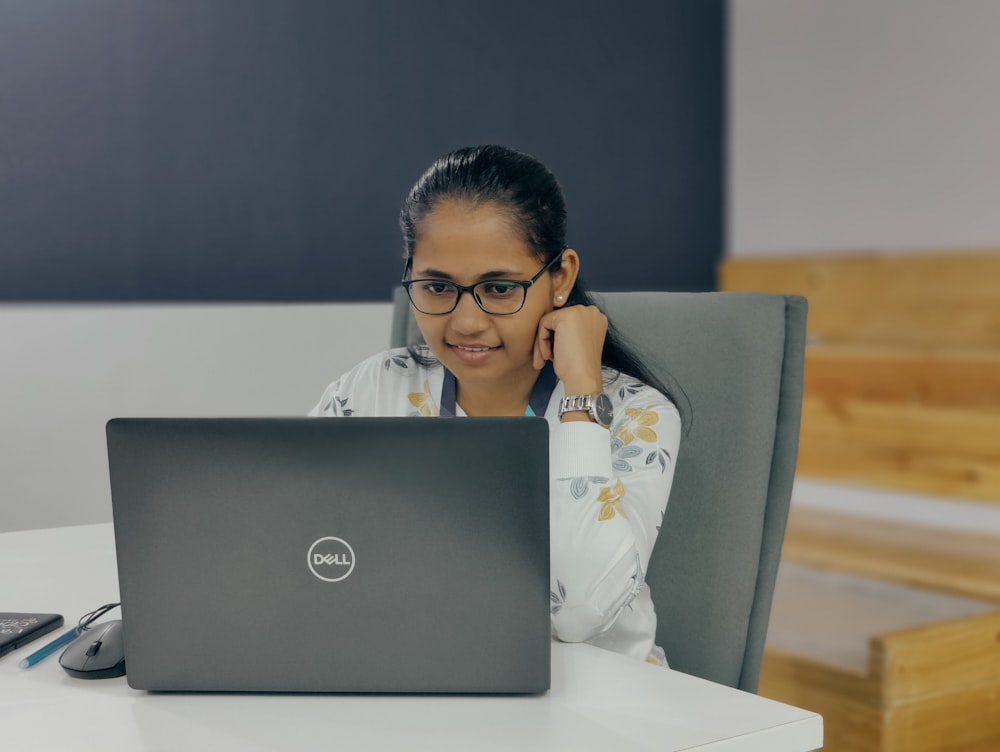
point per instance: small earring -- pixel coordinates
(559, 298)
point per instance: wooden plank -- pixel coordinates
(967, 720)
(930, 659)
(902, 378)
(950, 715)
(933, 376)
(852, 720)
(787, 671)
(942, 685)
(924, 683)
(954, 562)
(831, 615)
(946, 297)
(937, 450)
(924, 419)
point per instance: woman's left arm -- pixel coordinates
(609, 490)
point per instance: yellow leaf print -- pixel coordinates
(423, 402)
(638, 427)
(611, 502)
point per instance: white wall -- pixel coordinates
(65, 370)
(863, 124)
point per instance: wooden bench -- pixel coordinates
(891, 629)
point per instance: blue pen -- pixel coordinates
(49, 649)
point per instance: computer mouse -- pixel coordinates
(98, 653)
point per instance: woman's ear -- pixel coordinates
(564, 277)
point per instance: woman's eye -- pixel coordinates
(499, 289)
(436, 288)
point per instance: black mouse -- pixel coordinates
(98, 653)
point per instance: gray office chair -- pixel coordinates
(739, 359)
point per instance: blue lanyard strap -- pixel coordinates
(538, 402)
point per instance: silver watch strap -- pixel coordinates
(575, 402)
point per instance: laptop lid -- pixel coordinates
(333, 555)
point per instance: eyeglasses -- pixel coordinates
(499, 297)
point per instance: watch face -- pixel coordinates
(604, 411)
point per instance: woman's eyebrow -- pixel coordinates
(430, 273)
(438, 274)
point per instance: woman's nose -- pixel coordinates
(468, 316)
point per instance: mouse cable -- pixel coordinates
(87, 619)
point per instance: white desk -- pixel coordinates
(598, 701)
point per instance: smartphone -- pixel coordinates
(19, 629)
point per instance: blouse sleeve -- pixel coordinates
(329, 401)
(387, 383)
(609, 490)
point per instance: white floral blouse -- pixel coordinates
(608, 493)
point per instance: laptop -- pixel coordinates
(333, 555)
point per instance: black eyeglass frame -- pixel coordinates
(471, 289)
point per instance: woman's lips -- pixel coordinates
(473, 354)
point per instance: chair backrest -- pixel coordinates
(738, 357)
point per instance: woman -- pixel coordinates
(511, 331)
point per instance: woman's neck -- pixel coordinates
(486, 399)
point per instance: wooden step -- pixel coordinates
(949, 296)
(890, 667)
(948, 451)
(902, 374)
(962, 563)
(917, 418)
(941, 376)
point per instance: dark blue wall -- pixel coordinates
(260, 149)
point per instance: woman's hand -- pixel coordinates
(573, 338)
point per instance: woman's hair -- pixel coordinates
(531, 199)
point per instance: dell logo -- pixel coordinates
(340, 559)
(331, 559)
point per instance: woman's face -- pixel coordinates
(466, 244)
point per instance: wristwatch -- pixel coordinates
(598, 405)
